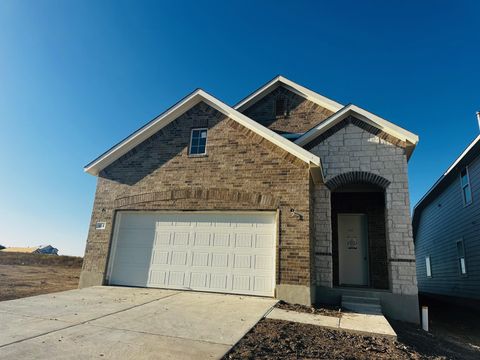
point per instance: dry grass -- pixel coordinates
(23, 275)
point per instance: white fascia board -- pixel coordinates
(364, 115)
(180, 108)
(292, 86)
(143, 133)
(455, 163)
(268, 134)
(462, 155)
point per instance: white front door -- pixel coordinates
(352, 249)
(207, 251)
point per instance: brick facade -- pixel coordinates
(241, 171)
(303, 114)
(244, 171)
(353, 149)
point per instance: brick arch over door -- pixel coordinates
(357, 177)
(257, 200)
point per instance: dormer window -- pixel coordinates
(198, 142)
(281, 107)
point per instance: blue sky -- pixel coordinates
(78, 76)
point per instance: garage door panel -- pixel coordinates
(160, 257)
(133, 275)
(125, 255)
(139, 220)
(200, 258)
(218, 281)
(243, 240)
(221, 240)
(241, 283)
(135, 238)
(158, 278)
(264, 241)
(162, 238)
(201, 239)
(222, 252)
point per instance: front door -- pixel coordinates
(352, 249)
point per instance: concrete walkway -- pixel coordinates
(126, 323)
(373, 325)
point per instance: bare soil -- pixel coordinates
(454, 334)
(326, 310)
(23, 275)
(277, 339)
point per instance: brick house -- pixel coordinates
(287, 194)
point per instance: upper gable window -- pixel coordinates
(466, 190)
(198, 142)
(281, 106)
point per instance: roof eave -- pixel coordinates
(177, 110)
(292, 86)
(404, 135)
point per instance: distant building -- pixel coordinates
(446, 230)
(42, 249)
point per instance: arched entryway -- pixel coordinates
(359, 230)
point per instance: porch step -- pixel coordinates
(363, 305)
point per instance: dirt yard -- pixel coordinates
(24, 275)
(453, 336)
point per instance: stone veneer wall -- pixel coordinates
(304, 114)
(354, 149)
(241, 171)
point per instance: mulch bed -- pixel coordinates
(326, 310)
(276, 339)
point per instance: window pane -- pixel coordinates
(464, 177)
(460, 249)
(198, 141)
(463, 268)
(467, 194)
(427, 265)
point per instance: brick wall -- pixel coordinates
(303, 114)
(352, 148)
(241, 171)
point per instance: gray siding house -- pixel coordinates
(446, 225)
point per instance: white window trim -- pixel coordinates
(191, 138)
(462, 187)
(428, 266)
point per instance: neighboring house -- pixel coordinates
(47, 249)
(446, 224)
(287, 194)
(42, 249)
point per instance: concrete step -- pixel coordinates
(362, 305)
(362, 308)
(360, 299)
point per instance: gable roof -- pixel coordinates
(366, 116)
(180, 108)
(472, 150)
(292, 86)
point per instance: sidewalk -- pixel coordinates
(374, 325)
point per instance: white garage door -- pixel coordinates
(221, 252)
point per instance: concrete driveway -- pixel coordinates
(126, 323)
